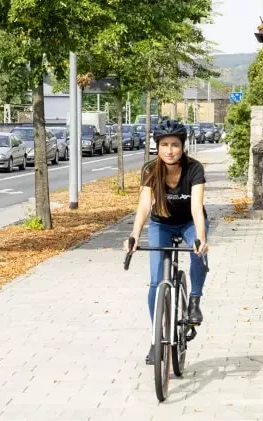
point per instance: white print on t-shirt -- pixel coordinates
(178, 197)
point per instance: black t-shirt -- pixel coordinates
(178, 199)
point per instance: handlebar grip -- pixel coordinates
(203, 261)
(129, 254)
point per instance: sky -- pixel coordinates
(234, 30)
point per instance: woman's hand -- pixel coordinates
(202, 249)
(126, 244)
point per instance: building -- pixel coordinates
(57, 105)
(208, 104)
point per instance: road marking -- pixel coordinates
(10, 191)
(104, 168)
(67, 166)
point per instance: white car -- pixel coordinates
(153, 148)
(26, 133)
(12, 152)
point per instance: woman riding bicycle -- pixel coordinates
(172, 192)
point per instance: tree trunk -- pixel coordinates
(120, 151)
(41, 171)
(160, 106)
(148, 126)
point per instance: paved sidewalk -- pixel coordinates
(75, 331)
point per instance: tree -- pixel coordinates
(14, 82)
(239, 118)
(190, 114)
(133, 49)
(45, 32)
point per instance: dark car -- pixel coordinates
(141, 130)
(212, 134)
(130, 138)
(199, 133)
(92, 141)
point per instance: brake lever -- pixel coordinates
(203, 261)
(128, 256)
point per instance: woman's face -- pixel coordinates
(170, 149)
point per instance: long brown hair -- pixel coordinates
(155, 173)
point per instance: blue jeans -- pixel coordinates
(160, 235)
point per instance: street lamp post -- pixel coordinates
(73, 156)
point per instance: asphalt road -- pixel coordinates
(18, 186)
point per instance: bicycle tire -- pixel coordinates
(179, 350)
(162, 352)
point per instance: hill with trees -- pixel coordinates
(234, 67)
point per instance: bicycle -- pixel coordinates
(171, 329)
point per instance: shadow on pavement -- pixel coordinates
(201, 374)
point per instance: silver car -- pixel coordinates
(12, 152)
(27, 135)
(62, 135)
(111, 139)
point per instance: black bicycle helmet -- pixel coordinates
(170, 128)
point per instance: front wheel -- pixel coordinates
(56, 159)
(109, 150)
(22, 166)
(10, 165)
(162, 348)
(180, 324)
(66, 155)
(102, 150)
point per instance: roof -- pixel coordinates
(202, 94)
(49, 92)
(5, 134)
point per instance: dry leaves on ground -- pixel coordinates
(241, 206)
(22, 248)
(240, 209)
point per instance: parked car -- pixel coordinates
(111, 139)
(62, 135)
(92, 141)
(212, 134)
(12, 152)
(141, 130)
(26, 134)
(153, 148)
(130, 139)
(199, 133)
(141, 119)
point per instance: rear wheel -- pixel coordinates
(180, 323)
(115, 150)
(162, 348)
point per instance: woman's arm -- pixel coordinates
(197, 199)
(142, 214)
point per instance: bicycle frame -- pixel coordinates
(170, 277)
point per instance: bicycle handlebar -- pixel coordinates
(189, 249)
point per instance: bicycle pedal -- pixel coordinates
(194, 324)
